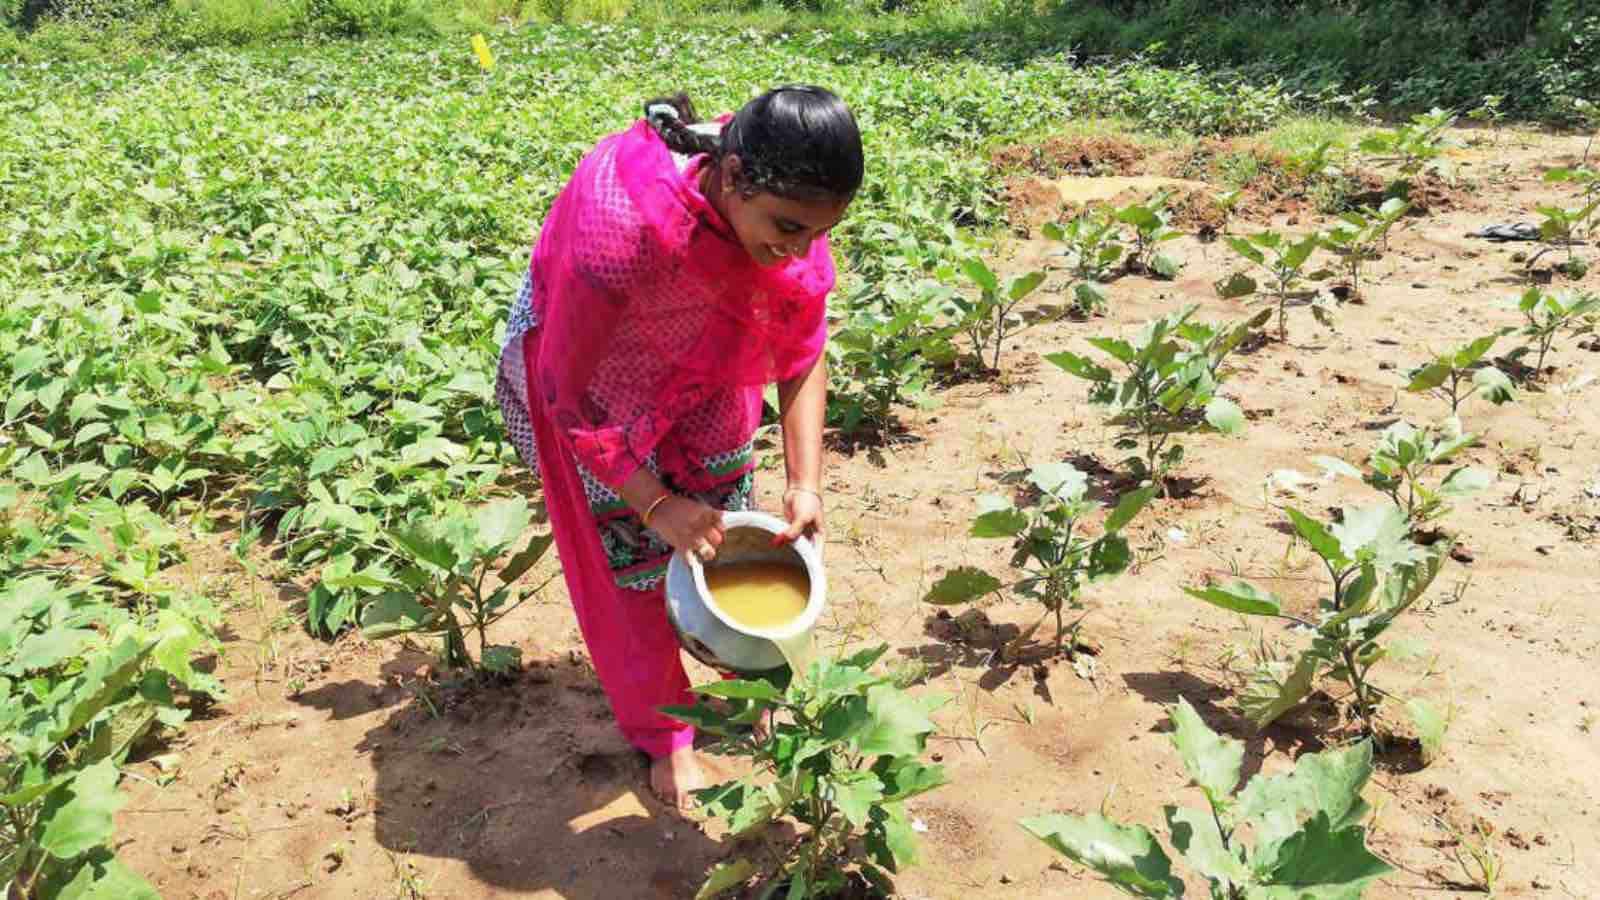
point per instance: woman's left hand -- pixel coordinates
(803, 509)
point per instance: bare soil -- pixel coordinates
(353, 770)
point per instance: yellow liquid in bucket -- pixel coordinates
(763, 595)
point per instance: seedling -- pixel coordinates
(1411, 148)
(1488, 112)
(1363, 236)
(1548, 316)
(883, 351)
(1092, 242)
(842, 756)
(1150, 231)
(1285, 270)
(991, 318)
(1174, 370)
(1404, 459)
(448, 556)
(1376, 574)
(1474, 852)
(1564, 227)
(1056, 558)
(1457, 376)
(1306, 827)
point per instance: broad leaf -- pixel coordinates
(1235, 286)
(999, 523)
(855, 794)
(1195, 835)
(1494, 385)
(981, 275)
(1322, 541)
(1276, 687)
(1128, 506)
(1125, 855)
(738, 689)
(1240, 597)
(395, 613)
(80, 815)
(1328, 783)
(502, 522)
(724, 877)
(1336, 466)
(1319, 862)
(1465, 481)
(101, 876)
(897, 724)
(1431, 725)
(1024, 285)
(518, 565)
(1212, 760)
(1061, 479)
(961, 585)
(1080, 366)
(1225, 416)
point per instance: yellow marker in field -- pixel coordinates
(481, 47)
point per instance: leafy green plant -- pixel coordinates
(448, 559)
(1403, 465)
(83, 679)
(842, 755)
(1305, 824)
(1564, 227)
(1376, 573)
(1056, 558)
(1362, 236)
(1457, 376)
(1410, 147)
(1093, 242)
(1547, 316)
(883, 352)
(1173, 372)
(1149, 221)
(992, 317)
(1285, 270)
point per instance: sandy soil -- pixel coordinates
(347, 771)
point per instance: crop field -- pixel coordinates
(1211, 507)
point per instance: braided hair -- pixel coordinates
(796, 141)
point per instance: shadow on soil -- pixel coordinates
(529, 784)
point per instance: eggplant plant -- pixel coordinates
(1457, 376)
(1403, 464)
(992, 317)
(1375, 574)
(1054, 550)
(1093, 242)
(1173, 372)
(883, 350)
(1305, 825)
(1362, 236)
(842, 755)
(1411, 147)
(1569, 227)
(1286, 274)
(1149, 221)
(1547, 316)
(448, 556)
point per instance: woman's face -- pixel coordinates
(774, 228)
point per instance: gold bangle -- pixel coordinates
(665, 496)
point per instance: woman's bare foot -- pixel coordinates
(674, 776)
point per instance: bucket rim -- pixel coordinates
(803, 546)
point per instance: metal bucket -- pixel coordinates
(705, 631)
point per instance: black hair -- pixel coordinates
(795, 141)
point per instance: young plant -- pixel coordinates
(1306, 827)
(991, 318)
(1411, 147)
(883, 351)
(1174, 369)
(448, 556)
(1548, 316)
(1376, 573)
(1285, 270)
(1056, 557)
(841, 757)
(1150, 231)
(1457, 377)
(1362, 236)
(1403, 463)
(1571, 227)
(1092, 242)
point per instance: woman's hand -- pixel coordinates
(803, 510)
(689, 526)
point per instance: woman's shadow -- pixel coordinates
(530, 784)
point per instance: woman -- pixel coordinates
(682, 269)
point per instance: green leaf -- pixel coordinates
(981, 275)
(394, 613)
(1275, 687)
(961, 585)
(1235, 286)
(906, 778)
(1380, 531)
(424, 543)
(1024, 285)
(1328, 783)
(1494, 385)
(1240, 597)
(855, 794)
(999, 523)
(1166, 266)
(1109, 556)
(1125, 855)
(736, 689)
(1212, 760)
(896, 726)
(102, 681)
(1120, 350)
(1431, 725)
(1081, 366)
(1195, 835)
(1336, 466)
(41, 651)
(79, 816)
(1128, 506)
(724, 877)
(501, 523)
(1465, 481)
(1430, 376)
(1225, 416)
(101, 876)
(1060, 479)
(518, 565)
(1319, 862)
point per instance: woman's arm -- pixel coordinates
(802, 401)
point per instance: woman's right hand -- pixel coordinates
(689, 526)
